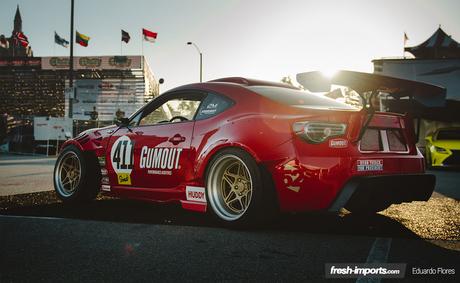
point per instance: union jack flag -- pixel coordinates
(21, 38)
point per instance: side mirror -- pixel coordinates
(122, 122)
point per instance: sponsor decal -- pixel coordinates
(195, 194)
(105, 180)
(120, 61)
(292, 176)
(369, 165)
(338, 143)
(105, 188)
(163, 159)
(124, 178)
(159, 172)
(211, 108)
(59, 62)
(122, 155)
(101, 160)
(90, 62)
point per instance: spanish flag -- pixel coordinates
(82, 39)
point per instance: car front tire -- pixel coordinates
(76, 176)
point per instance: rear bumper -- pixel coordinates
(390, 189)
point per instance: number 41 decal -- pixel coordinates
(123, 154)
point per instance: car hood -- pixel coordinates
(97, 132)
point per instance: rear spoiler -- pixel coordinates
(427, 95)
(420, 95)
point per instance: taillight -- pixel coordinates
(317, 132)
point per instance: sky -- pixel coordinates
(263, 39)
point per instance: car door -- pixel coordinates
(154, 153)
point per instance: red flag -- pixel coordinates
(21, 38)
(149, 35)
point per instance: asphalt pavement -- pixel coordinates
(20, 174)
(42, 240)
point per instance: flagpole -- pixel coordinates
(71, 58)
(404, 45)
(142, 45)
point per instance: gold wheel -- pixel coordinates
(68, 174)
(230, 187)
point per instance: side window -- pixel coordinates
(213, 105)
(174, 110)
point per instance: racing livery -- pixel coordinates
(243, 149)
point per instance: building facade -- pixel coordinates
(435, 61)
(111, 86)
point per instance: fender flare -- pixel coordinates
(71, 142)
(206, 155)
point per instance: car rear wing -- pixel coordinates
(427, 95)
(413, 95)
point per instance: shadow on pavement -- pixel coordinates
(292, 248)
(118, 210)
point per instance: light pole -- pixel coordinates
(201, 59)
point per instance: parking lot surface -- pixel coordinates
(120, 240)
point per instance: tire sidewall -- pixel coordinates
(79, 192)
(254, 213)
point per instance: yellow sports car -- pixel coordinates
(443, 148)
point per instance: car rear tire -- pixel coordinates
(76, 176)
(238, 191)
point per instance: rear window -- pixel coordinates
(448, 135)
(213, 105)
(299, 98)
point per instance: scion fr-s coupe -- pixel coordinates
(243, 149)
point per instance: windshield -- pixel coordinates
(299, 98)
(449, 134)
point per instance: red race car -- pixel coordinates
(241, 149)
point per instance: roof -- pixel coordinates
(439, 45)
(251, 82)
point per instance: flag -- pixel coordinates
(3, 42)
(61, 41)
(125, 36)
(82, 39)
(406, 38)
(21, 38)
(149, 35)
